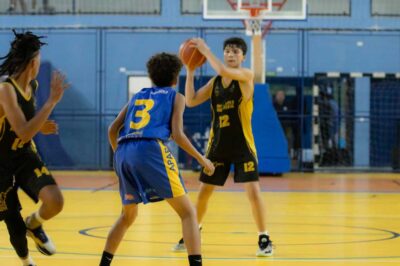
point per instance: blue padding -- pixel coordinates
(271, 144)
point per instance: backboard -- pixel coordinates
(255, 9)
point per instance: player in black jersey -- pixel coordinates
(231, 138)
(19, 160)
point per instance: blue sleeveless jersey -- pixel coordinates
(149, 114)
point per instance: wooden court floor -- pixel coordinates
(313, 219)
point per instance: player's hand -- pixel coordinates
(49, 127)
(57, 87)
(200, 44)
(209, 167)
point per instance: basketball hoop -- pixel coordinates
(257, 17)
(253, 25)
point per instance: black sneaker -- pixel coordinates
(265, 248)
(42, 241)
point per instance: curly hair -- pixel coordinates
(238, 42)
(163, 69)
(24, 47)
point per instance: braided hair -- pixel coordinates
(24, 47)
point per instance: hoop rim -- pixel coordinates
(254, 10)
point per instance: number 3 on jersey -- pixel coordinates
(142, 114)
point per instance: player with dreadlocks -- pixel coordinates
(20, 165)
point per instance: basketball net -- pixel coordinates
(253, 27)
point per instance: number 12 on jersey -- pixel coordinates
(224, 121)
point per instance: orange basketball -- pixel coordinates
(190, 56)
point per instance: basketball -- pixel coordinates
(191, 56)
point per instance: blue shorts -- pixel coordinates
(147, 171)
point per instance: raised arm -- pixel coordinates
(240, 74)
(115, 127)
(24, 129)
(193, 97)
(180, 138)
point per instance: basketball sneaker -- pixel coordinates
(43, 243)
(28, 261)
(265, 248)
(180, 246)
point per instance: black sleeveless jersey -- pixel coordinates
(10, 145)
(231, 136)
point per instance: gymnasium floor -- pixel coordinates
(314, 219)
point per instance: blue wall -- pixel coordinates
(90, 50)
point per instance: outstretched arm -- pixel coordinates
(24, 129)
(194, 98)
(180, 138)
(115, 127)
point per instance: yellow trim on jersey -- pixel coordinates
(245, 112)
(2, 126)
(33, 146)
(37, 85)
(212, 86)
(171, 167)
(211, 134)
(26, 97)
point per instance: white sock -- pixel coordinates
(38, 217)
(263, 233)
(27, 261)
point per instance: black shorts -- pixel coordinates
(31, 175)
(9, 201)
(244, 172)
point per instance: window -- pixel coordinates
(191, 6)
(385, 8)
(119, 7)
(329, 7)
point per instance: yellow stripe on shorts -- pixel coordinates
(171, 167)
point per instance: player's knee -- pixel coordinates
(205, 193)
(188, 213)
(254, 196)
(129, 216)
(57, 204)
(52, 198)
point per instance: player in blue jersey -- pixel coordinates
(146, 168)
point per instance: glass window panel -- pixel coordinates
(385, 7)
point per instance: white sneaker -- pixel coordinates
(43, 243)
(180, 246)
(28, 261)
(265, 248)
